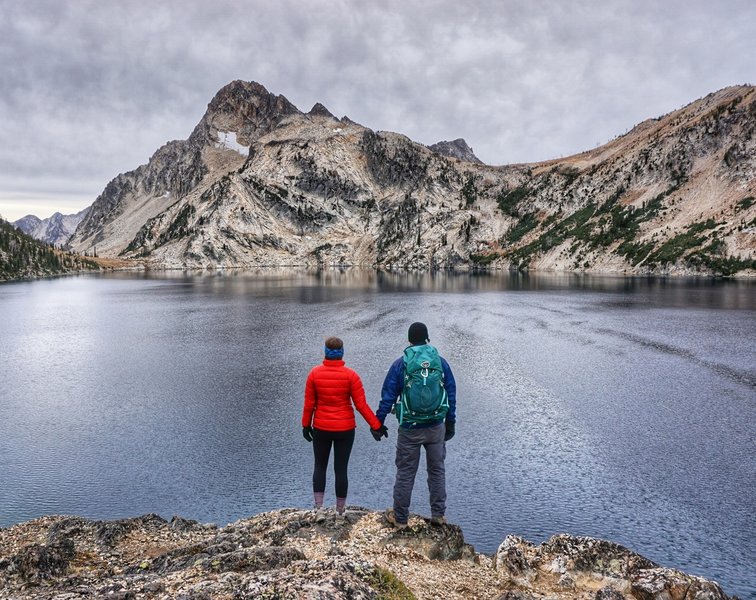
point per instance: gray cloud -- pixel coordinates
(92, 88)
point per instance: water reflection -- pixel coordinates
(320, 285)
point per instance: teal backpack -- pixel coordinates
(424, 398)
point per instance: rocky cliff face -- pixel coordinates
(293, 554)
(674, 195)
(56, 229)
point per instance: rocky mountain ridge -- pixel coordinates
(260, 183)
(294, 554)
(244, 110)
(55, 230)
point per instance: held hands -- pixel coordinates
(449, 431)
(307, 433)
(379, 433)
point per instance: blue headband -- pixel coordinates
(334, 353)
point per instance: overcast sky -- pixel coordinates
(91, 88)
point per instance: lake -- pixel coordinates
(611, 407)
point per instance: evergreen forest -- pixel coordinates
(23, 257)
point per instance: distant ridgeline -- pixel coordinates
(22, 257)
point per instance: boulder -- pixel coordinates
(40, 562)
(564, 560)
(434, 542)
(669, 584)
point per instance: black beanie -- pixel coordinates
(418, 334)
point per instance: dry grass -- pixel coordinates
(116, 263)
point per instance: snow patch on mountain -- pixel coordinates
(227, 139)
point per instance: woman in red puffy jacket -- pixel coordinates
(328, 419)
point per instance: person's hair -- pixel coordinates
(334, 343)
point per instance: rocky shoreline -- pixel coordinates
(303, 554)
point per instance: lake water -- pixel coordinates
(617, 408)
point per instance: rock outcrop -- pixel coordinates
(303, 554)
(609, 571)
(259, 183)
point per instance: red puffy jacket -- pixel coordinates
(330, 390)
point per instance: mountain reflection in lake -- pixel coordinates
(620, 408)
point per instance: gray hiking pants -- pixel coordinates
(408, 445)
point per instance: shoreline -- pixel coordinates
(143, 268)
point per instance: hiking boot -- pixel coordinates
(320, 515)
(441, 520)
(391, 518)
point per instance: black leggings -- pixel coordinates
(342, 447)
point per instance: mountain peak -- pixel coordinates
(55, 229)
(318, 110)
(456, 149)
(242, 90)
(28, 218)
(246, 108)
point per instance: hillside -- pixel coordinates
(259, 183)
(294, 554)
(675, 194)
(23, 257)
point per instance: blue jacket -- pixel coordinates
(392, 389)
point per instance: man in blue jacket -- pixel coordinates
(412, 436)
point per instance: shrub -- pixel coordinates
(526, 224)
(389, 586)
(675, 247)
(635, 252)
(469, 192)
(570, 173)
(482, 260)
(508, 201)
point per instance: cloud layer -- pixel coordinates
(93, 88)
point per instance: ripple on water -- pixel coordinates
(617, 412)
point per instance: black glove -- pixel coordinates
(307, 433)
(449, 431)
(377, 434)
